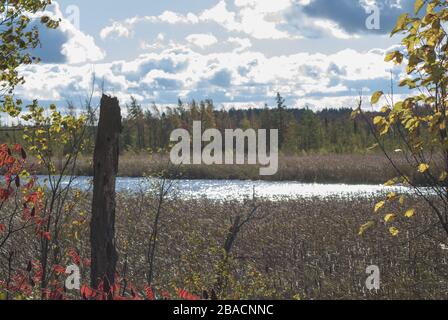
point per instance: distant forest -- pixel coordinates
(301, 131)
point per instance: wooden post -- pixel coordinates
(102, 226)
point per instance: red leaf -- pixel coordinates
(87, 292)
(149, 293)
(87, 262)
(166, 295)
(17, 147)
(2, 228)
(10, 160)
(76, 259)
(30, 184)
(183, 294)
(46, 235)
(4, 194)
(59, 269)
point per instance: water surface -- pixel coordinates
(239, 189)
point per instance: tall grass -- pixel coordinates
(350, 168)
(303, 248)
(307, 248)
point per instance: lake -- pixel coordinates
(238, 189)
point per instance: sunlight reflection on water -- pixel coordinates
(238, 190)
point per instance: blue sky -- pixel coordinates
(317, 53)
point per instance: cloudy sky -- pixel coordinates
(317, 53)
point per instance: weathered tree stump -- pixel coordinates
(102, 225)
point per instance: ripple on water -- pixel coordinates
(238, 189)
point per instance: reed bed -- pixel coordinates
(293, 249)
(348, 168)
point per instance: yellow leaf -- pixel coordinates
(418, 5)
(376, 97)
(365, 227)
(401, 23)
(379, 205)
(422, 168)
(394, 231)
(389, 217)
(355, 113)
(385, 130)
(391, 196)
(390, 56)
(390, 183)
(401, 200)
(443, 176)
(384, 109)
(378, 120)
(410, 213)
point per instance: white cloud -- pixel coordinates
(81, 48)
(331, 28)
(116, 30)
(232, 70)
(264, 6)
(222, 16)
(202, 40)
(125, 28)
(258, 19)
(175, 18)
(76, 46)
(241, 43)
(240, 77)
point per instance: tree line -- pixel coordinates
(301, 130)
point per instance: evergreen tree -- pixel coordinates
(136, 117)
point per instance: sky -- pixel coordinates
(240, 53)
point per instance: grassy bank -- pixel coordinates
(353, 169)
(304, 248)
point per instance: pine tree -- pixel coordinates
(136, 117)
